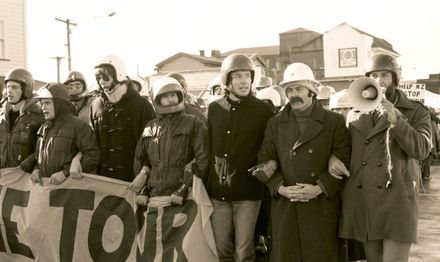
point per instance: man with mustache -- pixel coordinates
(294, 163)
(19, 119)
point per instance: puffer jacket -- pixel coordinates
(17, 144)
(166, 146)
(58, 142)
(118, 128)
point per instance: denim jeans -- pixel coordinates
(233, 224)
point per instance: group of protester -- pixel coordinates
(319, 180)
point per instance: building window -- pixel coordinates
(2, 39)
(348, 57)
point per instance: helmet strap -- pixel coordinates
(113, 86)
(116, 92)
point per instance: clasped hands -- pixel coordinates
(300, 192)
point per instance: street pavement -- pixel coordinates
(427, 249)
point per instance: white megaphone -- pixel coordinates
(364, 94)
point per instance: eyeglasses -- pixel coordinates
(74, 86)
(102, 76)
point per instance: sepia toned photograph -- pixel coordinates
(245, 131)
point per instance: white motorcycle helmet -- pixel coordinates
(163, 86)
(117, 64)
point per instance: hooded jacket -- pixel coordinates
(59, 140)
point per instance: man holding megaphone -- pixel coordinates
(389, 137)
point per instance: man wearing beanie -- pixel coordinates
(294, 161)
(60, 138)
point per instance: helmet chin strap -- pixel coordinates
(116, 93)
(113, 86)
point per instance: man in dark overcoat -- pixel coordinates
(380, 206)
(295, 154)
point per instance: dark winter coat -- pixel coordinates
(118, 128)
(235, 134)
(166, 146)
(58, 143)
(371, 210)
(17, 144)
(305, 231)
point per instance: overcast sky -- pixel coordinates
(144, 33)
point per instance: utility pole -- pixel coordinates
(58, 58)
(68, 23)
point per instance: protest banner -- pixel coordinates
(95, 219)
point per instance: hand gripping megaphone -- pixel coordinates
(364, 94)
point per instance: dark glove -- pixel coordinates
(178, 196)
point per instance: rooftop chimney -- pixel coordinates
(202, 52)
(215, 53)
